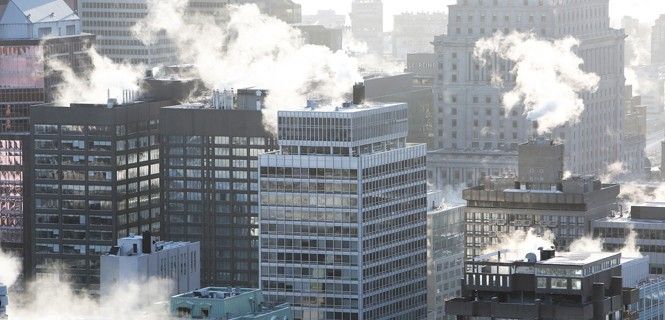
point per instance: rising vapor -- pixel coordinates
(548, 78)
(252, 50)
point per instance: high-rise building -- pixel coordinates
(32, 35)
(556, 285)
(658, 41)
(95, 178)
(143, 259)
(468, 109)
(540, 199)
(326, 18)
(112, 22)
(445, 253)
(343, 214)
(633, 154)
(367, 24)
(4, 301)
(413, 32)
(210, 184)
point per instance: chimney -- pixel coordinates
(358, 93)
(546, 254)
(147, 242)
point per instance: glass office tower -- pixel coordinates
(343, 215)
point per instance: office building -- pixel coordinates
(649, 305)
(210, 182)
(423, 68)
(646, 222)
(32, 35)
(95, 177)
(445, 253)
(540, 199)
(567, 285)
(144, 259)
(327, 18)
(413, 32)
(227, 303)
(112, 22)
(401, 88)
(322, 36)
(367, 24)
(343, 214)
(468, 109)
(658, 41)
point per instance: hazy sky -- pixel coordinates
(646, 10)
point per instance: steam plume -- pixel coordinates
(252, 49)
(548, 78)
(10, 268)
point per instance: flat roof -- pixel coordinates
(340, 109)
(577, 258)
(219, 293)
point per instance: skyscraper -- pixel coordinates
(413, 33)
(468, 109)
(32, 34)
(343, 215)
(367, 23)
(658, 41)
(210, 183)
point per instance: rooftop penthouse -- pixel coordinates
(227, 304)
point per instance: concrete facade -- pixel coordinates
(130, 263)
(468, 108)
(539, 198)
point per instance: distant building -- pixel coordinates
(326, 18)
(322, 36)
(634, 137)
(344, 214)
(227, 304)
(568, 285)
(649, 305)
(32, 35)
(401, 88)
(468, 112)
(414, 32)
(210, 180)
(445, 253)
(112, 21)
(647, 221)
(458, 168)
(367, 24)
(540, 198)
(285, 10)
(658, 42)
(423, 68)
(139, 259)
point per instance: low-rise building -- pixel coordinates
(646, 223)
(139, 259)
(572, 285)
(227, 304)
(445, 252)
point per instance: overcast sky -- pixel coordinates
(646, 10)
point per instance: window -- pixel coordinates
(576, 284)
(559, 283)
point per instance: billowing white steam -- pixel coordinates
(106, 79)
(548, 77)
(252, 49)
(10, 268)
(612, 171)
(53, 299)
(519, 243)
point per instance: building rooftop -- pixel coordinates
(36, 11)
(577, 258)
(135, 246)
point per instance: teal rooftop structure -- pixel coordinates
(225, 303)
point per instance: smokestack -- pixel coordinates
(546, 254)
(147, 242)
(358, 93)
